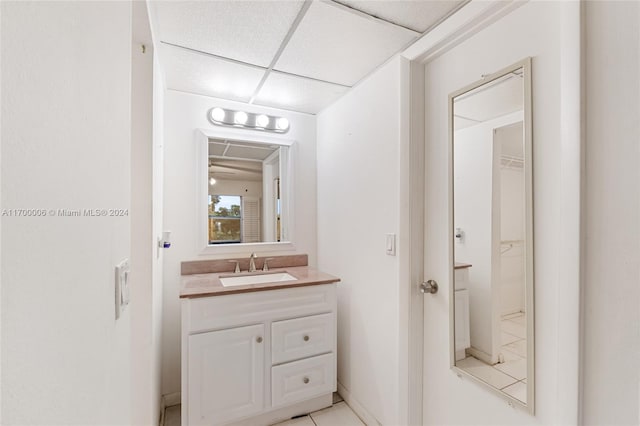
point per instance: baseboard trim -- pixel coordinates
(482, 356)
(171, 399)
(357, 408)
(162, 409)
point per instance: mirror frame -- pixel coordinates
(202, 190)
(525, 65)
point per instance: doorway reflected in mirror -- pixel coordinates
(244, 192)
(492, 233)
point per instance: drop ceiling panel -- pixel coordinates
(336, 44)
(217, 149)
(248, 153)
(236, 170)
(198, 73)
(491, 101)
(416, 15)
(236, 149)
(298, 94)
(248, 31)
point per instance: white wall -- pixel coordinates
(144, 340)
(512, 221)
(65, 144)
(474, 211)
(512, 267)
(236, 187)
(184, 113)
(535, 29)
(157, 223)
(473, 176)
(1, 207)
(611, 351)
(358, 203)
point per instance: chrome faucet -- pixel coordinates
(252, 262)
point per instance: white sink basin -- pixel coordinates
(257, 279)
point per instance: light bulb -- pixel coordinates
(217, 114)
(282, 123)
(240, 117)
(262, 120)
(212, 181)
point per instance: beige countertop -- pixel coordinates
(204, 285)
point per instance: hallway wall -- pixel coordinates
(66, 144)
(611, 255)
(359, 201)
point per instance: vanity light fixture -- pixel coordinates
(218, 114)
(262, 120)
(247, 120)
(282, 124)
(240, 117)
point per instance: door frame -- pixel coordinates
(473, 17)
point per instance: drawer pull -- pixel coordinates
(306, 338)
(259, 339)
(305, 380)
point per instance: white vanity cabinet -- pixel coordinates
(226, 373)
(256, 358)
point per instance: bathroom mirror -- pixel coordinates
(492, 233)
(245, 202)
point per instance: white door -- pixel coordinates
(226, 375)
(437, 261)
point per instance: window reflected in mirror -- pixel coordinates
(244, 192)
(224, 219)
(492, 220)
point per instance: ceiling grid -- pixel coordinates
(293, 55)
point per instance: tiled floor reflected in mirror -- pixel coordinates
(510, 376)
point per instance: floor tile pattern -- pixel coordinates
(339, 414)
(510, 375)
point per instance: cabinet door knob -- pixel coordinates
(306, 338)
(305, 380)
(259, 339)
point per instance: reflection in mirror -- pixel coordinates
(492, 292)
(245, 198)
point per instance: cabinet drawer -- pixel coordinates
(300, 380)
(218, 312)
(302, 337)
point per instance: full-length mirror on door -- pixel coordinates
(492, 233)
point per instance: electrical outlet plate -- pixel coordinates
(122, 286)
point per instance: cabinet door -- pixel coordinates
(226, 375)
(462, 326)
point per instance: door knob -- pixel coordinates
(430, 287)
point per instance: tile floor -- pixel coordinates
(509, 376)
(340, 414)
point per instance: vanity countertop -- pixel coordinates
(204, 285)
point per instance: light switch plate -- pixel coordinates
(391, 244)
(122, 273)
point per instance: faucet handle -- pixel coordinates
(237, 270)
(265, 267)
